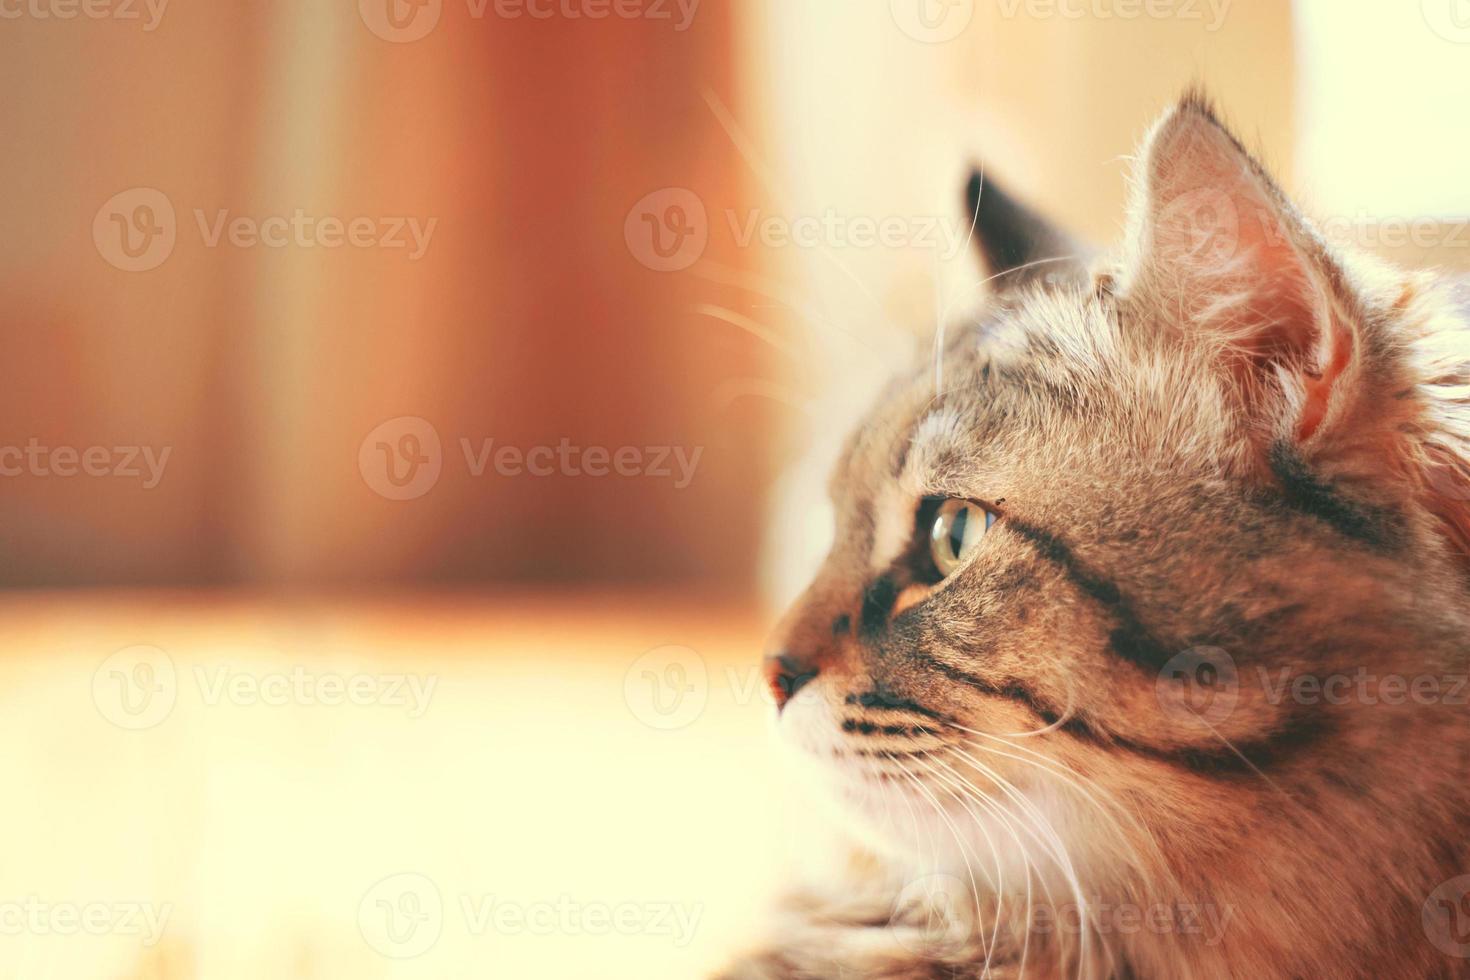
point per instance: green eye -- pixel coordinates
(958, 528)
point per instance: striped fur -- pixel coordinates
(1243, 461)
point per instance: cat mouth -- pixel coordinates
(878, 780)
(872, 740)
(874, 747)
(865, 725)
(913, 783)
(920, 807)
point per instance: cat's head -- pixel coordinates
(1091, 529)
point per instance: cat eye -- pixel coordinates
(958, 527)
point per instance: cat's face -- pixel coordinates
(1089, 532)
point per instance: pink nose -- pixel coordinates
(787, 674)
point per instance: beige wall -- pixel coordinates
(528, 320)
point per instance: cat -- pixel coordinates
(1142, 646)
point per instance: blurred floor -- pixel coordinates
(530, 786)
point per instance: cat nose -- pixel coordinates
(786, 674)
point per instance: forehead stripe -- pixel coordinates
(1306, 493)
(1131, 640)
(1241, 759)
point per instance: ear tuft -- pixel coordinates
(1196, 99)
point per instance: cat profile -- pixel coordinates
(1141, 651)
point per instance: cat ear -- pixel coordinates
(1217, 250)
(1017, 243)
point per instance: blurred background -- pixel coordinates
(500, 347)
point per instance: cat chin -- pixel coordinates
(921, 840)
(903, 824)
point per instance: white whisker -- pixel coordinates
(1054, 846)
(731, 390)
(746, 148)
(968, 792)
(769, 289)
(758, 330)
(997, 884)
